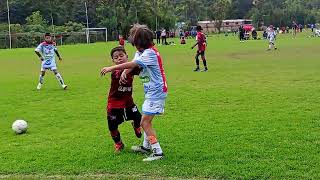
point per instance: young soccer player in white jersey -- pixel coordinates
(155, 86)
(272, 38)
(46, 52)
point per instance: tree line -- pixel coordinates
(119, 15)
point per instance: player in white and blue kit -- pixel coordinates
(272, 35)
(153, 77)
(46, 52)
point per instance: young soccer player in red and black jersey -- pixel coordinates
(201, 43)
(120, 102)
(121, 41)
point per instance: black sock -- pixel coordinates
(115, 136)
(204, 63)
(197, 62)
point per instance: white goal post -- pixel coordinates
(92, 29)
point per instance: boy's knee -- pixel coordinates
(113, 125)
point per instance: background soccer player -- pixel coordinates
(155, 86)
(121, 40)
(120, 102)
(272, 38)
(201, 43)
(46, 52)
(294, 29)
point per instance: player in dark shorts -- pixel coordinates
(294, 29)
(120, 106)
(201, 43)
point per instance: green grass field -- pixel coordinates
(254, 115)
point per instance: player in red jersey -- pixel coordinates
(201, 43)
(120, 102)
(121, 40)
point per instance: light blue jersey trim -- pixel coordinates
(150, 113)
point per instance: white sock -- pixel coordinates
(59, 78)
(41, 79)
(157, 148)
(146, 143)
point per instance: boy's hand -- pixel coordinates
(105, 70)
(123, 78)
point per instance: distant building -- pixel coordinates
(226, 26)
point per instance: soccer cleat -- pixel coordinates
(118, 147)
(196, 70)
(39, 86)
(140, 149)
(275, 48)
(153, 157)
(205, 70)
(137, 131)
(64, 87)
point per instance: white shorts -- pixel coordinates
(51, 68)
(153, 107)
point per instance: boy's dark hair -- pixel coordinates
(47, 34)
(141, 36)
(199, 28)
(119, 48)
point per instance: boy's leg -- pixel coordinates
(197, 61)
(146, 124)
(41, 79)
(270, 46)
(203, 57)
(150, 108)
(59, 78)
(133, 113)
(145, 147)
(113, 123)
(274, 46)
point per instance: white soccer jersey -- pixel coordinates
(48, 52)
(272, 35)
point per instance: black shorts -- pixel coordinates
(117, 116)
(200, 53)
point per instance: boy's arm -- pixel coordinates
(195, 45)
(57, 53)
(198, 42)
(128, 65)
(132, 71)
(39, 55)
(123, 77)
(38, 50)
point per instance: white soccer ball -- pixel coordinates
(20, 126)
